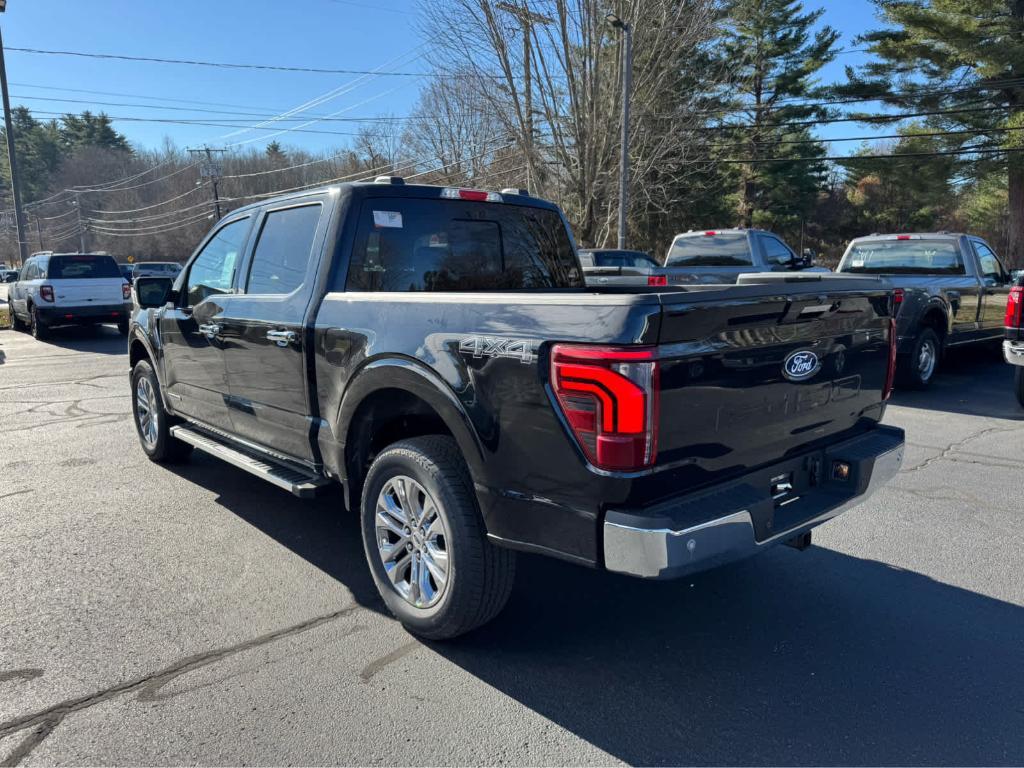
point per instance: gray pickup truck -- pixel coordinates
(722, 255)
(952, 289)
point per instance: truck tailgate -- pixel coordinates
(764, 371)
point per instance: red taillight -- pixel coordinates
(1014, 307)
(657, 280)
(890, 376)
(897, 301)
(46, 292)
(711, 233)
(126, 291)
(609, 396)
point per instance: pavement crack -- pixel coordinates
(7, 496)
(29, 673)
(377, 665)
(30, 742)
(51, 717)
(956, 446)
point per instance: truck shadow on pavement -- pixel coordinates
(792, 658)
(973, 381)
(97, 339)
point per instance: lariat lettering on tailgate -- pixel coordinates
(769, 410)
(523, 350)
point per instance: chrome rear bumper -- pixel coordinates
(740, 519)
(1013, 351)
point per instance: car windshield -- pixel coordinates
(82, 267)
(710, 250)
(905, 257)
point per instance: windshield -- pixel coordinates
(714, 250)
(82, 267)
(905, 257)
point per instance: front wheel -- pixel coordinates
(1018, 385)
(152, 422)
(425, 541)
(919, 367)
(17, 324)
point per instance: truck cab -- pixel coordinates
(722, 255)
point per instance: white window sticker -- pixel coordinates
(858, 262)
(391, 219)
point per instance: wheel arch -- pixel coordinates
(388, 400)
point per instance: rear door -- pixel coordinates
(191, 332)
(995, 288)
(265, 345)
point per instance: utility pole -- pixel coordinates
(527, 19)
(76, 203)
(627, 86)
(39, 232)
(211, 169)
(19, 216)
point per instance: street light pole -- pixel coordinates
(627, 86)
(19, 216)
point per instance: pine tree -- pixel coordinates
(275, 153)
(965, 57)
(773, 54)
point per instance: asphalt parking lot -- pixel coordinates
(158, 615)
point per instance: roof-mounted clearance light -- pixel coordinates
(476, 195)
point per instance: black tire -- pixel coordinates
(122, 327)
(913, 370)
(479, 576)
(38, 328)
(17, 323)
(1018, 384)
(163, 447)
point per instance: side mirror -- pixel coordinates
(152, 292)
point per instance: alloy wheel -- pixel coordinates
(412, 541)
(146, 410)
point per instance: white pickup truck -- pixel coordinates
(69, 289)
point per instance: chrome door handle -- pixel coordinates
(209, 330)
(282, 338)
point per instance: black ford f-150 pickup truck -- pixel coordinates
(952, 290)
(437, 352)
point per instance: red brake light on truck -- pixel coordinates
(46, 292)
(126, 291)
(1014, 307)
(609, 396)
(657, 280)
(476, 195)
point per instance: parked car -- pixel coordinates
(952, 287)
(611, 266)
(437, 352)
(69, 289)
(1013, 343)
(722, 255)
(8, 275)
(156, 269)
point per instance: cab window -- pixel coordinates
(991, 267)
(283, 250)
(213, 270)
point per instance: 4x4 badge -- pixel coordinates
(489, 346)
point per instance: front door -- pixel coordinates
(192, 340)
(996, 284)
(265, 344)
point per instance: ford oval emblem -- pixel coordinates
(801, 365)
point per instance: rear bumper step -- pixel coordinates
(1013, 351)
(299, 482)
(741, 518)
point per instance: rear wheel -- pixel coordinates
(152, 422)
(425, 541)
(1018, 384)
(919, 367)
(37, 326)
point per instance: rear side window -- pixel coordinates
(408, 244)
(621, 259)
(989, 263)
(283, 250)
(904, 257)
(710, 250)
(82, 267)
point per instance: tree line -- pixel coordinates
(727, 97)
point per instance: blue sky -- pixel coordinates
(328, 34)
